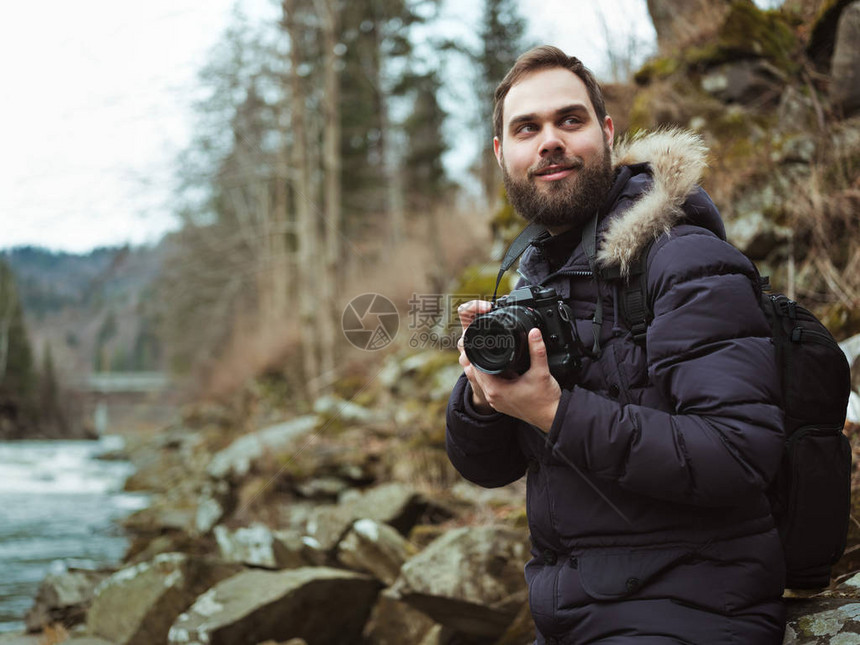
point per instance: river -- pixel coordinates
(59, 504)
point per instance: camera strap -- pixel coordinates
(517, 248)
(589, 244)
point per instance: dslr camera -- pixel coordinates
(497, 342)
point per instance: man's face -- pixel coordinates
(554, 153)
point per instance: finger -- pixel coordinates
(464, 360)
(468, 310)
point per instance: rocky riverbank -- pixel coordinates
(342, 525)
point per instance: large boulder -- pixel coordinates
(678, 22)
(138, 604)
(324, 606)
(469, 580)
(845, 64)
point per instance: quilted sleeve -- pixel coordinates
(482, 447)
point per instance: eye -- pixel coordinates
(526, 128)
(571, 121)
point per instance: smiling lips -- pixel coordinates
(555, 171)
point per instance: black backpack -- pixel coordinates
(811, 494)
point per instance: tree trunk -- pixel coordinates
(327, 10)
(306, 229)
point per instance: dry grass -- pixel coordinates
(436, 247)
(823, 215)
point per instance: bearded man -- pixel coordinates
(647, 472)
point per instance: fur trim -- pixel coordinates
(678, 159)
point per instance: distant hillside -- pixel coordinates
(94, 310)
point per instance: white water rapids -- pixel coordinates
(58, 504)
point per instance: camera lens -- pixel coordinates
(497, 342)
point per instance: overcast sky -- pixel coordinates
(94, 103)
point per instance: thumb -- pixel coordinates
(537, 348)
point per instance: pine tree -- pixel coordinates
(52, 417)
(426, 184)
(18, 380)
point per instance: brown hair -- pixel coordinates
(546, 57)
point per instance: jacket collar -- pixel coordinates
(677, 159)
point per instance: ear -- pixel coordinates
(608, 131)
(497, 150)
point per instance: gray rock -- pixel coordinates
(814, 621)
(321, 605)
(63, 597)
(211, 506)
(845, 64)
(796, 149)
(752, 232)
(443, 382)
(209, 512)
(393, 622)
(374, 548)
(347, 411)
(257, 545)
(396, 504)
(470, 580)
(235, 461)
(138, 604)
(744, 82)
(321, 488)
(796, 111)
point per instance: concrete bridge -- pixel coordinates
(117, 401)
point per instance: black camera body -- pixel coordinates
(497, 342)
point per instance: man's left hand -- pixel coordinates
(533, 396)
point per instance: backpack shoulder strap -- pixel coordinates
(633, 298)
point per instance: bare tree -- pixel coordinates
(329, 11)
(304, 203)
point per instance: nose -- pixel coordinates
(551, 142)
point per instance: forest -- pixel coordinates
(305, 307)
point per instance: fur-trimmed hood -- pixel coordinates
(677, 160)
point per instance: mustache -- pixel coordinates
(574, 163)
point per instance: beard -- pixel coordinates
(569, 202)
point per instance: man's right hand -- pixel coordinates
(467, 312)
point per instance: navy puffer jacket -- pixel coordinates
(648, 490)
